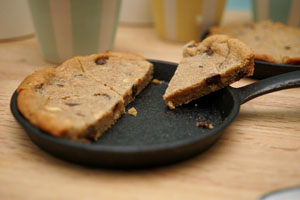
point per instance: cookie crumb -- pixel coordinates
(156, 81)
(204, 125)
(196, 105)
(171, 105)
(132, 111)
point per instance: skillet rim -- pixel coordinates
(270, 64)
(265, 69)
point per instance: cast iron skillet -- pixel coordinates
(158, 136)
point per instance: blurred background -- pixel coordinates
(65, 28)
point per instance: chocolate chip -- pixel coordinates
(240, 75)
(91, 133)
(104, 95)
(191, 46)
(72, 104)
(200, 66)
(287, 47)
(213, 79)
(40, 86)
(204, 125)
(209, 51)
(60, 85)
(134, 90)
(101, 60)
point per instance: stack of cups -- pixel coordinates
(181, 20)
(66, 28)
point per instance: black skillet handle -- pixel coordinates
(272, 84)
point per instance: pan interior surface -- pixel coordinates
(156, 124)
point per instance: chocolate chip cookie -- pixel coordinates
(72, 101)
(208, 66)
(271, 42)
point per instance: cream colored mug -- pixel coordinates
(184, 20)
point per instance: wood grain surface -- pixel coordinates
(258, 153)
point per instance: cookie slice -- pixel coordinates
(68, 105)
(125, 73)
(208, 66)
(84, 96)
(271, 42)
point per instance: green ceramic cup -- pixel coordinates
(67, 28)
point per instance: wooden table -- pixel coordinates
(258, 153)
